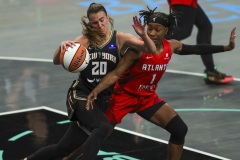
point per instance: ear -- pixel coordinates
(166, 30)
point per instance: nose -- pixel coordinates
(99, 24)
(151, 33)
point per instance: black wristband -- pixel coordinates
(201, 49)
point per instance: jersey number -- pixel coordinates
(99, 68)
(153, 78)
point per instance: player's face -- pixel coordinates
(156, 32)
(99, 21)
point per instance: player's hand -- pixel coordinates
(65, 44)
(231, 44)
(138, 26)
(91, 97)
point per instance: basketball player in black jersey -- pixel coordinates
(104, 45)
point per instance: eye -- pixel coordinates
(149, 29)
(102, 19)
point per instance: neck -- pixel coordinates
(159, 48)
(106, 37)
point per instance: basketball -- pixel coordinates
(75, 59)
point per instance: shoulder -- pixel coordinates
(173, 42)
(124, 38)
(124, 35)
(82, 40)
(175, 45)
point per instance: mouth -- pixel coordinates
(101, 31)
(154, 40)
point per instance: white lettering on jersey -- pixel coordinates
(154, 67)
(109, 57)
(146, 87)
(106, 56)
(93, 56)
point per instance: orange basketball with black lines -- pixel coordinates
(75, 59)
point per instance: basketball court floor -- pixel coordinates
(33, 90)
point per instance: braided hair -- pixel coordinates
(150, 16)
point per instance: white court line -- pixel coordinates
(50, 60)
(26, 59)
(166, 142)
(117, 128)
(191, 73)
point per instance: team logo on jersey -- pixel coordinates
(91, 49)
(149, 57)
(94, 80)
(112, 46)
(166, 56)
(99, 54)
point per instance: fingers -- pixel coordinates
(232, 39)
(66, 44)
(145, 23)
(90, 99)
(137, 21)
(233, 32)
(90, 105)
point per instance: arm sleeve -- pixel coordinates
(201, 49)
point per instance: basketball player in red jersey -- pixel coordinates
(104, 45)
(191, 14)
(137, 76)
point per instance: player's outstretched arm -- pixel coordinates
(203, 49)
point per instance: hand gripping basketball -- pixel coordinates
(75, 58)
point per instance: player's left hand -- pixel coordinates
(231, 44)
(138, 26)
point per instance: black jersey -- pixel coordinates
(102, 61)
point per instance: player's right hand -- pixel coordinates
(91, 97)
(65, 44)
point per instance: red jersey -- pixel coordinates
(143, 76)
(183, 2)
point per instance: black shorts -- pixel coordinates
(149, 112)
(77, 97)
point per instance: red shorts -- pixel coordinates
(122, 103)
